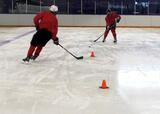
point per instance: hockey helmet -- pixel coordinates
(108, 11)
(53, 8)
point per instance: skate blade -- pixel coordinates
(26, 62)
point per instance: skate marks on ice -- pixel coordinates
(57, 80)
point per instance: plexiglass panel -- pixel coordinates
(154, 7)
(75, 7)
(88, 6)
(101, 6)
(93, 7)
(63, 6)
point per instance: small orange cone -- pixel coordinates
(92, 54)
(104, 85)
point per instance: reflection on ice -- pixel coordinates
(58, 83)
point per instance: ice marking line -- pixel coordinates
(15, 38)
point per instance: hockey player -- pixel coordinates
(111, 20)
(46, 24)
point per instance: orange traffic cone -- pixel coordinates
(104, 85)
(92, 54)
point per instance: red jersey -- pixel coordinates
(47, 20)
(111, 19)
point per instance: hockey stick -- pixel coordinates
(112, 26)
(98, 38)
(81, 57)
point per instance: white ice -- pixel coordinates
(57, 83)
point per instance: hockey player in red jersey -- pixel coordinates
(111, 20)
(46, 24)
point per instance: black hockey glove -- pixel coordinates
(107, 28)
(56, 41)
(117, 19)
(37, 28)
(113, 26)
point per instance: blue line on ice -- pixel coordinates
(15, 38)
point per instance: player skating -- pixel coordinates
(111, 20)
(46, 24)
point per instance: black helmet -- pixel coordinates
(108, 10)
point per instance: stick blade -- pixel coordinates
(81, 57)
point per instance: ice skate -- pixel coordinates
(34, 57)
(104, 40)
(115, 40)
(26, 59)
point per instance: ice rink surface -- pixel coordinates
(57, 83)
